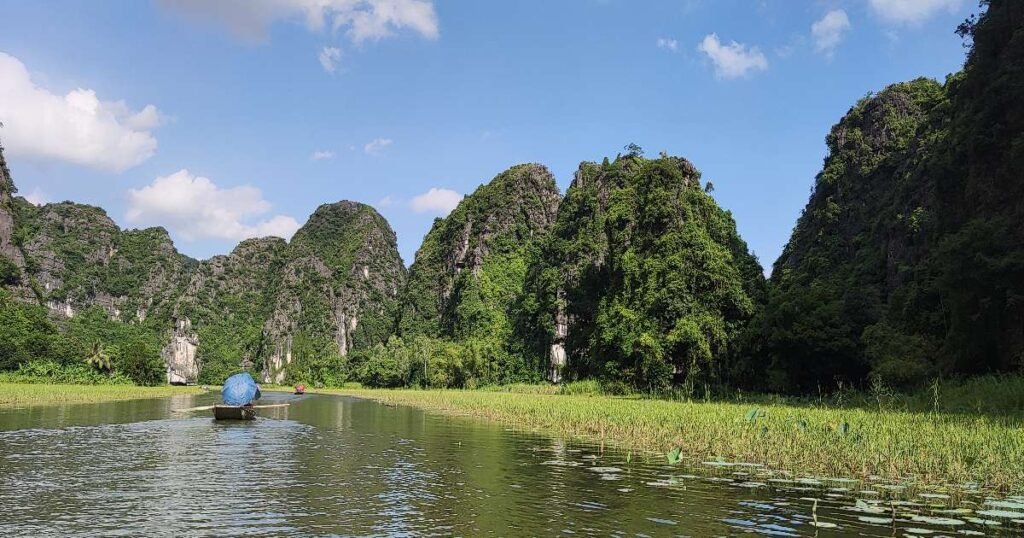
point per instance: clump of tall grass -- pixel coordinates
(587, 387)
(824, 440)
(523, 388)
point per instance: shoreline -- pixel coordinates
(14, 395)
(922, 450)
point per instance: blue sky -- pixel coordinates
(236, 118)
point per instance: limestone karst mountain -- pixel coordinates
(906, 265)
(467, 282)
(337, 290)
(472, 264)
(643, 277)
(908, 260)
(332, 289)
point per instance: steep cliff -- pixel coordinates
(847, 253)
(643, 278)
(470, 270)
(221, 311)
(75, 256)
(12, 261)
(908, 261)
(337, 291)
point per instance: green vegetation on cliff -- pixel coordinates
(908, 261)
(469, 276)
(228, 299)
(272, 305)
(643, 278)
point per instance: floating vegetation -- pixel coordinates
(946, 521)
(1009, 504)
(1006, 514)
(933, 495)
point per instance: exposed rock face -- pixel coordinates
(228, 298)
(471, 267)
(180, 354)
(76, 257)
(556, 354)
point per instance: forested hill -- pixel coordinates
(469, 274)
(76, 287)
(907, 264)
(908, 261)
(643, 278)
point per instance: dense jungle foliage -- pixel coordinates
(648, 274)
(908, 261)
(906, 265)
(470, 272)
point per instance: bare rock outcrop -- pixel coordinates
(180, 354)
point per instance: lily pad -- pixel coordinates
(945, 521)
(875, 520)
(1002, 513)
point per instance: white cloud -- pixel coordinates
(362, 19)
(911, 11)
(829, 30)
(436, 200)
(785, 51)
(77, 127)
(376, 146)
(732, 60)
(329, 58)
(322, 155)
(37, 197)
(386, 201)
(196, 208)
(666, 43)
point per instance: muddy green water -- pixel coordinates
(336, 466)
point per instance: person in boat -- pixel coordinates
(240, 389)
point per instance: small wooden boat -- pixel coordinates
(300, 389)
(234, 412)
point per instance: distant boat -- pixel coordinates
(300, 389)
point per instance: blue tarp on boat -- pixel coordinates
(240, 389)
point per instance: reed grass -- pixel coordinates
(925, 448)
(22, 395)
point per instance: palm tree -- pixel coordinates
(98, 357)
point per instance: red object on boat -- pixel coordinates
(300, 388)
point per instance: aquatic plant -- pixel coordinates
(933, 448)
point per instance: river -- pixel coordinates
(338, 466)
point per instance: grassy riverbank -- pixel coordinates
(928, 448)
(20, 394)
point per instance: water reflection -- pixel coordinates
(331, 466)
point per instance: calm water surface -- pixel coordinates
(336, 466)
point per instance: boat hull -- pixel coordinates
(234, 412)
